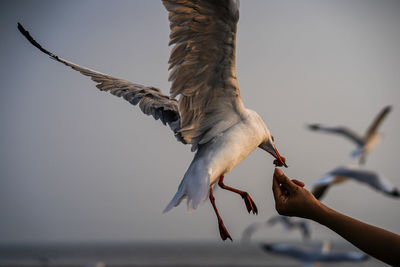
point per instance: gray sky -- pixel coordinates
(79, 164)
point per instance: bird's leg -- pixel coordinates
(250, 205)
(222, 230)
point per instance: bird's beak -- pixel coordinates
(279, 161)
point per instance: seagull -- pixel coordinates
(366, 143)
(344, 173)
(288, 223)
(291, 224)
(209, 113)
(309, 257)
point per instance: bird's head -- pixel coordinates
(269, 146)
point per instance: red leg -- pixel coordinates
(222, 230)
(250, 205)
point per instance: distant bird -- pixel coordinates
(342, 174)
(366, 143)
(209, 114)
(291, 224)
(309, 257)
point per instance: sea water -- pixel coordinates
(154, 254)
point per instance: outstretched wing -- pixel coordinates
(202, 64)
(371, 178)
(377, 121)
(351, 134)
(346, 132)
(151, 100)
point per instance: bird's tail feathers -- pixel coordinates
(175, 201)
(194, 188)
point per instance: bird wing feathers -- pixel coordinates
(322, 185)
(319, 190)
(340, 174)
(346, 132)
(202, 66)
(371, 178)
(151, 100)
(377, 121)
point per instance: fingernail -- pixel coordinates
(278, 172)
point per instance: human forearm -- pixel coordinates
(375, 241)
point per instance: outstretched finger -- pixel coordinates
(276, 189)
(283, 180)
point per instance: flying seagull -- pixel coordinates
(309, 257)
(209, 113)
(366, 143)
(342, 174)
(288, 223)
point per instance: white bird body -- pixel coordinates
(372, 143)
(218, 157)
(236, 143)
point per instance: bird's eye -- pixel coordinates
(272, 137)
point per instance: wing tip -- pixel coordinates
(313, 126)
(28, 36)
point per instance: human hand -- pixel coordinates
(291, 199)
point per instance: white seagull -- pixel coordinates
(366, 143)
(342, 174)
(209, 113)
(311, 256)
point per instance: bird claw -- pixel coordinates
(250, 205)
(223, 232)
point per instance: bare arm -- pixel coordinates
(291, 199)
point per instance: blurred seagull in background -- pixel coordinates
(309, 257)
(342, 174)
(291, 224)
(366, 143)
(209, 113)
(288, 223)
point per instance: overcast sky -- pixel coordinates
(80, 164)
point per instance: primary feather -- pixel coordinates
(150, 99)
